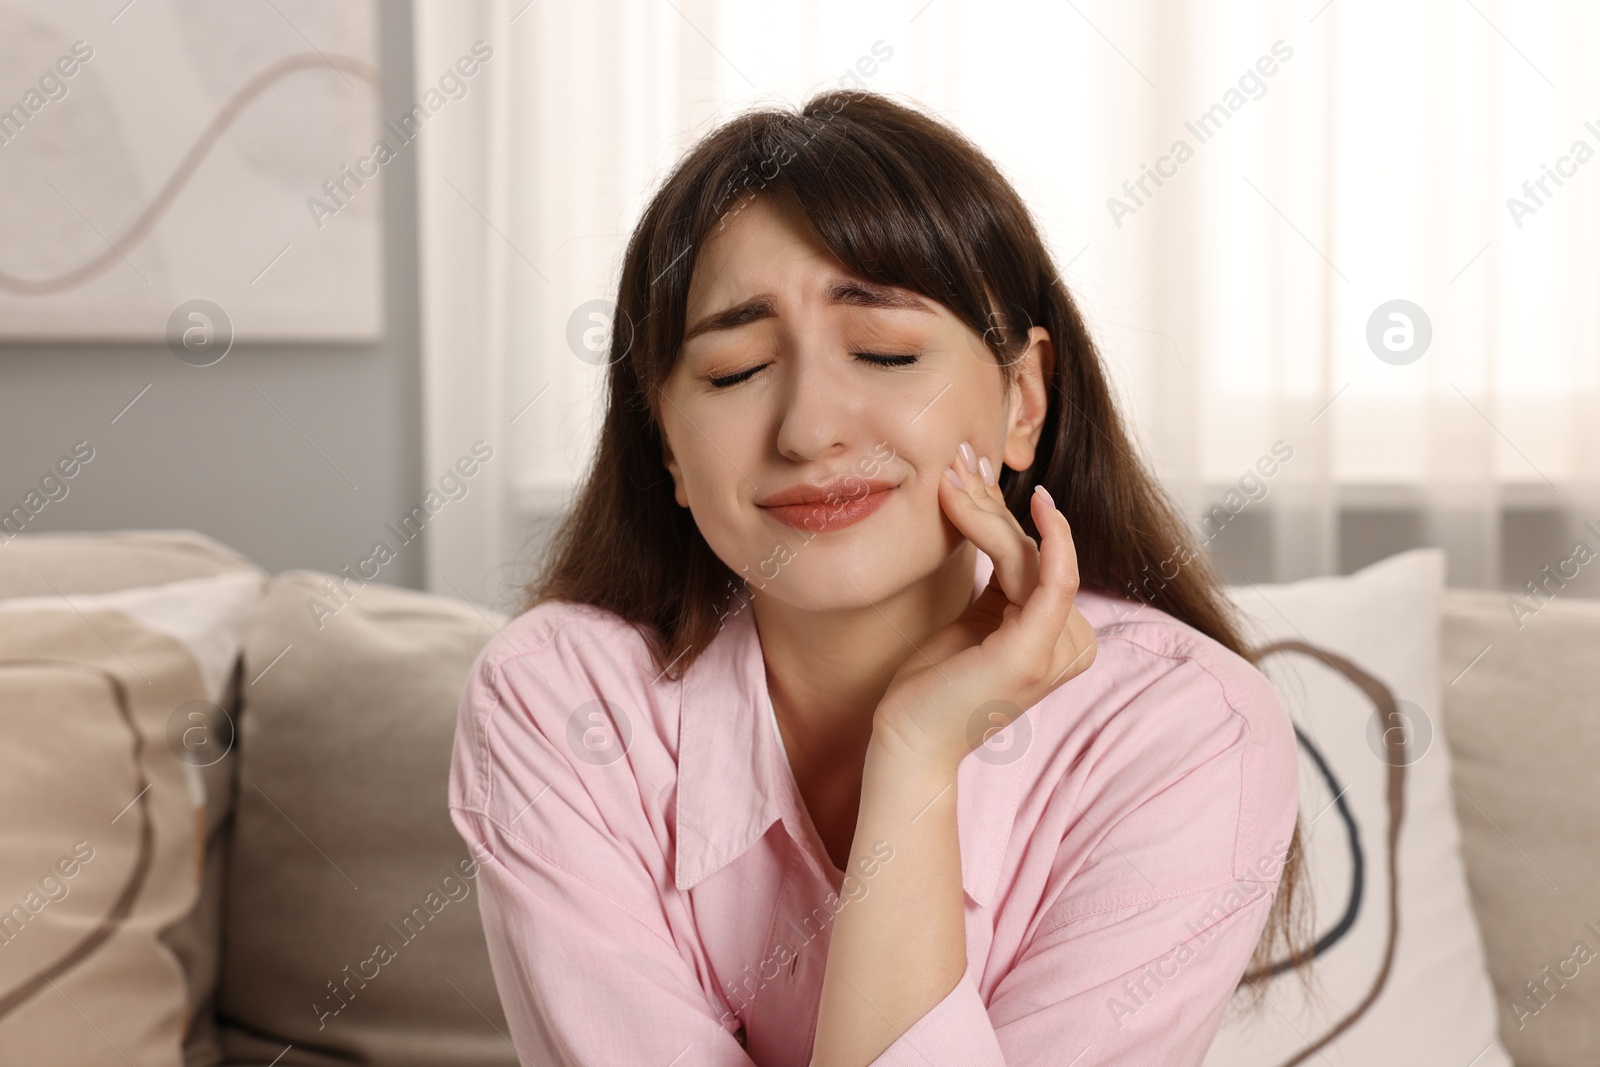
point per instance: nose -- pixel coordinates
(821, 414)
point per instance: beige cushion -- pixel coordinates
(343, 841)
(1523, 707)
(46, 564)
(115, 956)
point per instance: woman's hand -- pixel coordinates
(1019, 640)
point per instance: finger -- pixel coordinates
(979, 511)
(1048, 610)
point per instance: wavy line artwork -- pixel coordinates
(146, 220)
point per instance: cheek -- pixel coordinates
(700, 438)
(928, 440)
(711, 466)
(710, 480)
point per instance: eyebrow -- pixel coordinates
(855, 293)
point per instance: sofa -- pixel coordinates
(226, 840)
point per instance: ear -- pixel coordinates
(1029, 399)
(679, 494)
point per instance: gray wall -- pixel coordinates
(203, 450)
(1532, 539)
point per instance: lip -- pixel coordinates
(829, 506)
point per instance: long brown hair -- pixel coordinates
(900, 199)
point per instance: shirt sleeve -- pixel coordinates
(1073, 993)
(586, 967)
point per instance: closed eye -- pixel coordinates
(886, 361)
(734, 379)
(875, 358)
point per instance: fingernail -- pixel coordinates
(987, 471)
(969, 457)
(950, 476)
(1042, 491)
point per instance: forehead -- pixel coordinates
(765, 253)
(761, 241)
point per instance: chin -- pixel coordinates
(840, 572)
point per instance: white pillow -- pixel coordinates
(1369, 661)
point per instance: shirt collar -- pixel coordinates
(729, 791)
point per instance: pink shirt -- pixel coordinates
(657, 894)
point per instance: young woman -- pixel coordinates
(873, 705)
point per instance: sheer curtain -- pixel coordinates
(1341, 256)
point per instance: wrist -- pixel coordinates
(915, 757)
